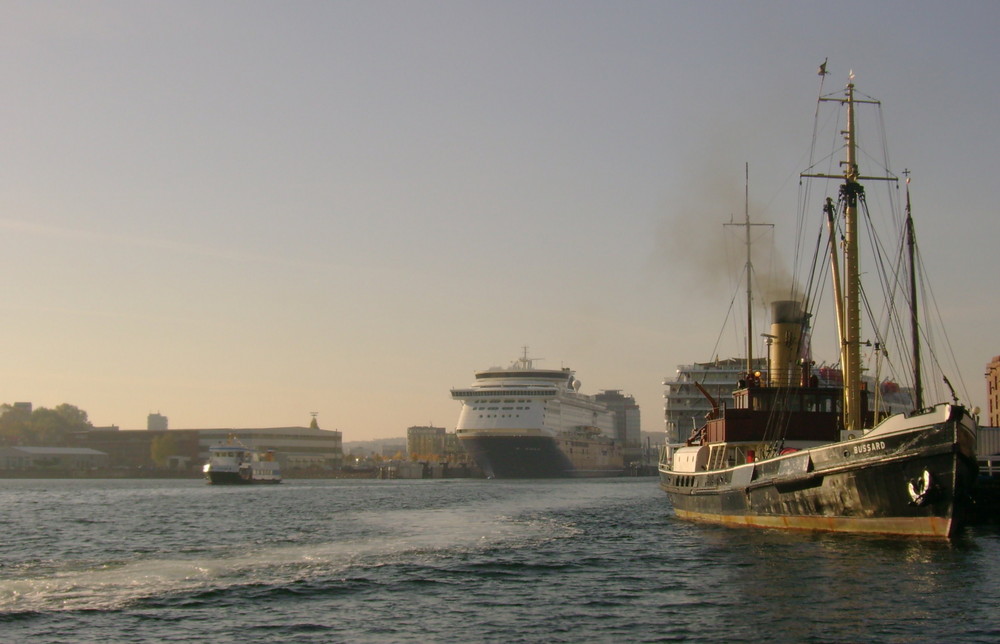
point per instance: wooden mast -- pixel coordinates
(911, 242)
(746, 214)
(749, 268)
(849, 304)
(852, 306)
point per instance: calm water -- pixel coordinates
(459, 561)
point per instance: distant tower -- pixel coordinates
(314, 424)
(627, 421)
(156, 422)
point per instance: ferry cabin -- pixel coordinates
(229, 455)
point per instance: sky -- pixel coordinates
(239, 214)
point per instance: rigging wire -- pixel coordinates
(729, 314)
(889, 326)
(735, 314)
(928, 296)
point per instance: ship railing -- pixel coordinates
(990, 466)
(665, 454)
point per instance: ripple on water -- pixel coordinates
(485, 561)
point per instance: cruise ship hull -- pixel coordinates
(511, 457)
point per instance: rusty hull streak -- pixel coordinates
(916, 526)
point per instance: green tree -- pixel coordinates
(74, 416)
(48, 427)
(15, 425)
(56, 426)
(42, 426)
(162, 448)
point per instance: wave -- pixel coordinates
(271, 571)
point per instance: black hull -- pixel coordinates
(873, 486)
(234, 478)
(530, 457)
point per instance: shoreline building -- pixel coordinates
(19, 458)
(424, 442)
(628, 426)
(296, 448)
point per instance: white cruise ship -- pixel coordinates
(523, 422)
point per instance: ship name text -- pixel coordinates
(867, 448)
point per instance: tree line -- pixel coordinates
(41, 427)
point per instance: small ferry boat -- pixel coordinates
(233, 463)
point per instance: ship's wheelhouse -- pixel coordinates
(781, 413)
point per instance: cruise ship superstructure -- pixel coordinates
(525, 422)
(685, 405)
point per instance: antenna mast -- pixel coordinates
(749, 266)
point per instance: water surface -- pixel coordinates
(459, 561)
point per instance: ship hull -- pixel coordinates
(525, 457)
(914, 482)
(215, 477)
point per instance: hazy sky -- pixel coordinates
(238, 213)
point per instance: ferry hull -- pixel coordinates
(235, 478)
(917, 482)
(524, 457)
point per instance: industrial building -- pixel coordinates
(54, 459)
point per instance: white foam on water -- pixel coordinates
(401, 535)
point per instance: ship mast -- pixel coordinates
(746, 215)
(911, 242)
(524, 362)
(849, 311)
(851, 350)
(749, 268)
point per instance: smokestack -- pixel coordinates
(787, 323)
